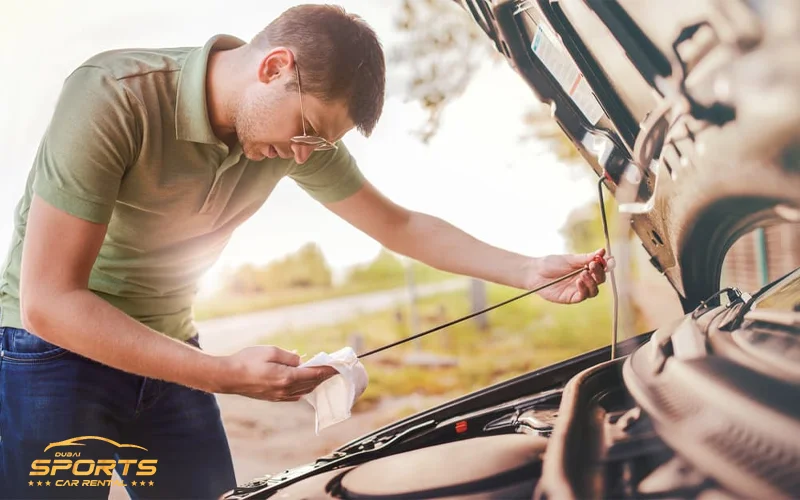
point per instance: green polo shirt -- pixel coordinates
(130, 145)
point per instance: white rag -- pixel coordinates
(333, 399)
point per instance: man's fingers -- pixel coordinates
(582, 289)
(317, 374)
(326, 372)
(590, 284)
(288, 399)
(598, 275)
(299, 388)
(305, 380)
(584, 259)
(282, 356)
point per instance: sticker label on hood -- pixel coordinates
(566, 73)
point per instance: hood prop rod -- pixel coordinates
(614, 296)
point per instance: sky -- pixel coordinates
(475, 173)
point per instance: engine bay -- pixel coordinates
(684, 414)
(707, 406)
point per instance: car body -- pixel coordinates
(701, 100)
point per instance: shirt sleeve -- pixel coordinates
(89, 143)
(329, 176)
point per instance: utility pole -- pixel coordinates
(420, 357)
(477, 296)
(412, 301)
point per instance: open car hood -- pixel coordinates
(678, 89)
(702, 98)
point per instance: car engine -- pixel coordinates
(706, 407)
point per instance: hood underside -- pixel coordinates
(702, 96)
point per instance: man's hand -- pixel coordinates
(577, 288)
(441, 245)
(270, 373)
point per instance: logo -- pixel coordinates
(66, 468)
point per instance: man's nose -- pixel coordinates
(301, 153)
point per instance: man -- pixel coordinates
(152, 159)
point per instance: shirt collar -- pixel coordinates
(191, 109)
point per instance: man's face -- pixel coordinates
(268, 116)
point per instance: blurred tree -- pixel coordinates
(385, 269)
(441, 50)
(246, 279)
(583, 230)
(304, 268)
(540, 126)
(388, 270)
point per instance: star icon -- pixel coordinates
(30, 483)
(151, 483)
(133, 483)
(38, 483)
(47, 483)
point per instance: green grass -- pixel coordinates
(521, 337)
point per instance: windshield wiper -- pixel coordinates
(734, 296)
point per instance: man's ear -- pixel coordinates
(275, 63)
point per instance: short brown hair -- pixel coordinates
(339, 57)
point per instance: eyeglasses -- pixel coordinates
(316, 142)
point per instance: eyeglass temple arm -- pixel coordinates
(300, 93)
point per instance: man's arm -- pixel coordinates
(93, 138)
(57, 305)
(441, 245)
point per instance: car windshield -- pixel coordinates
(782, 296)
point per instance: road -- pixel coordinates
(229, 334)
(249, 422)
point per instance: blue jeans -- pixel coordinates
(165, 438)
